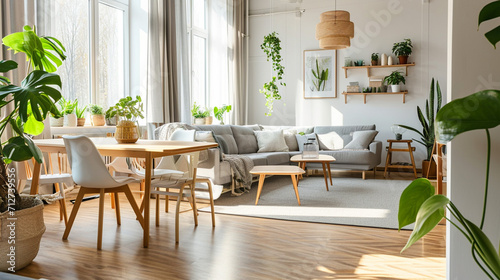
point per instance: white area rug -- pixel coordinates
(350, 201)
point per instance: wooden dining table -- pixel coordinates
(147, 149)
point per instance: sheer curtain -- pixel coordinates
(168, 97)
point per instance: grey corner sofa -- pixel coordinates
(242, 140)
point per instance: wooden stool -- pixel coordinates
(390, 149)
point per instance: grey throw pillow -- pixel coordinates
(301, 139)
(361, 139)
(271, 141)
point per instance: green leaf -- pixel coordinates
(485, 248)
(422, 120)
(489, 12)
(32, 126)
(480, 110)
(493, 36)
(7, 65)
(16, 149)
(430, 115)
(411, 199)
(429, 215)
(411, 128)
(35, 151)
(439, 97)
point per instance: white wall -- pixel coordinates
(379, 24)
(473, 66)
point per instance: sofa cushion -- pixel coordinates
(271, 141)
(258, 158)
(350, 156)
(271, 158)
(330, 141)
(301, 139)
(245, 138)
(298, 129)
(361, 139)
(290, 139)
(181, 134)
(343, 131)
(204, 136)
(223, 132)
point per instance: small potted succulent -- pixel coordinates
(374, 59)
(111, 117)
(97, 115)
(80, 114)
(402, 50)
(394, 80)
(128, 110)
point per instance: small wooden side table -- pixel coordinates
(263, 170)
(409, 149)
(323, 159)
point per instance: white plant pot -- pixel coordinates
(199, 121)
(70, 120)
(56, 122)
(396, 88)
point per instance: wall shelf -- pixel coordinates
(404, 93)
(368, 67)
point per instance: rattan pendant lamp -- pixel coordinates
(335, 30)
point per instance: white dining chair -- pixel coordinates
(90, 172)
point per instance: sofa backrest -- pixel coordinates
(343, 131)
(224, 133)
(245, 138)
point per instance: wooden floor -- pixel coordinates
(237, 248)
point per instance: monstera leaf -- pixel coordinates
(35, 91)
(6, 66)
(489, 12)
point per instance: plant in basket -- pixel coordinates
(128, 110)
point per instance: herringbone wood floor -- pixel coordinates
(237, 248)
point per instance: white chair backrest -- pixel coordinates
(86, 163)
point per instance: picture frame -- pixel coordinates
(315, 86)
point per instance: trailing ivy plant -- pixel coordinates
(271, 46)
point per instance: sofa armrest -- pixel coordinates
(212, 160)
(376, 148)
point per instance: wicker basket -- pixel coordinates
(126, 132)
(29, 228)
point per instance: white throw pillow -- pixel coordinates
(271, 141)
(182, 135)
(361, 139)
(204, 136)
(330, 141)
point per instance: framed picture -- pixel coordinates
(320, 74)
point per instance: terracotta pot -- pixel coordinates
(432, 170)
(80, 121)
(403, 59)
(374, 63)
(98, 120)
(126, 132)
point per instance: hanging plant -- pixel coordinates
(271, 46)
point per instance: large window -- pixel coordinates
(198, 37)
(95, 34)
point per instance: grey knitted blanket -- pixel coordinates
(241, 166)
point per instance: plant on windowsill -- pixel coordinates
(68, 111)
(110, 116)
(80, 114)
(427, 133)
(394, 80)
(128, 110)
(419, 204)
(97, 115)
(402, 50)
(24, 109)
(219, 112)
(199, 114)
(271, 47)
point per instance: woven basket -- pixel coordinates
(29, 228)
(126, 132)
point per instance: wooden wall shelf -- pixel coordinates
(368, 67)
(404, 93)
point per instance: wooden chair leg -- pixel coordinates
(78, 202)
(157, 210)
(62, 208)
(177, 210)
(211, 201)
(166, 202)
(133, 203)
(142, 187)
(117, 209)
(112, 195)
(101, 220)
(193, 204)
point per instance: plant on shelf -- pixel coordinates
(97, 115)
(24, 109)
(271, 47)
(374, 59)
(402, 50)
(394, 79)
(80, 114)
(419, 204)
(110, 116)
(199, 114)
(68, 111)
(128, 110)
(320, 77)
(432, 107)
(219, 112)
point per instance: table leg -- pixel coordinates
(36, 178)
(325, 175)
(387, 160)
(295, 188)
(329, 173)
(262, 177)
(147, 194)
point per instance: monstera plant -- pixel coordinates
(420, 205)
(26, 106)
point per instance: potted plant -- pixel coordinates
(272, 47)
(128, 110)
(110, 116)
(208, 116)
(374, 59)
(394, 80)
(427, 121)
(219, 112)
(80, 114)
(97, 115)
(68, 111)
(402, 50)
(198, 114)
(24, 109)
(56, 119)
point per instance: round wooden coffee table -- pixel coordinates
(264, 170)
(323, 159)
